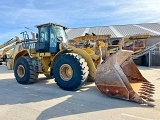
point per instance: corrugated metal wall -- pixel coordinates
(153, 40)
(154, 58)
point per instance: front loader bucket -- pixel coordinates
(119, 77)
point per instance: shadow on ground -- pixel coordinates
(88, 99)
(74, 105)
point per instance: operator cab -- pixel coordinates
(50, 35)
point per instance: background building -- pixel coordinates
(149, 57)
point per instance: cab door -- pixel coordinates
(43, 42)
(54, 46)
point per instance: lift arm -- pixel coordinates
(5, 50)
(16, 39)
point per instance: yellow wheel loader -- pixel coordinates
(51, 55)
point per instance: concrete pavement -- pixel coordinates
(45, 100)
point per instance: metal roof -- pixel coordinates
(131, 30)
(117, 31)
(75, 33)
(101, 31)
(152, 26)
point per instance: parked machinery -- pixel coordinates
(71, 66)
(6, 48)
(135, 43)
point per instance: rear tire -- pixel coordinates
(23, 70)
(78, 71)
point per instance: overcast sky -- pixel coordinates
(17, 14)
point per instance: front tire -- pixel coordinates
(70, 71)
(23, 70)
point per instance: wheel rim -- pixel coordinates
(66, 72)
(21, 71)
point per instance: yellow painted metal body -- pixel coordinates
(92, 54)
(100, 38)
(7, 47)
(126, 43)
(13, 40)
(6, 50)
(47, 59)
(105, 42)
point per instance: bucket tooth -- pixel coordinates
(148, 91)
(147, 98)
(147, 88)
(152, 87)
(146, 94)
(148, 83)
